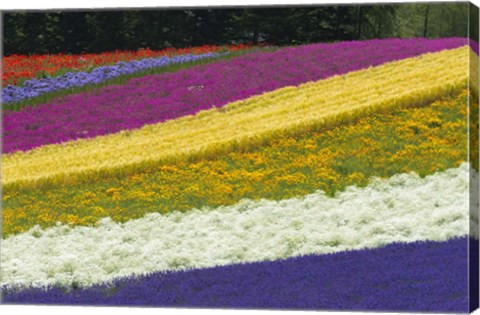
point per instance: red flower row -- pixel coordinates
(18, 68)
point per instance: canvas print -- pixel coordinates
(320, 157)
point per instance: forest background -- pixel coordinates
(40, 32)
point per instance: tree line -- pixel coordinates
(99, 31)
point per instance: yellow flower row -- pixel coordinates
(243, 124)
(424, 140)
(473, 71)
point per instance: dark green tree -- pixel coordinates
(98, 31)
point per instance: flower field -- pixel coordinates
(19, 68)
(36, 87)
(189, 91)
(320, 176)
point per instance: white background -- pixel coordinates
(52, 4)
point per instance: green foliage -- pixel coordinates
(473, 25)
(432, 20)
(98, 31)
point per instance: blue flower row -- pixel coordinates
(406, 277)
(36, 87)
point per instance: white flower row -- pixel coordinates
(404, 208)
